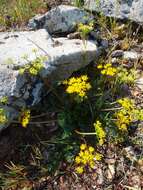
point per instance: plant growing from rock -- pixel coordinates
(34, 67)
(84, 30)
(3, 117)
(79, 3)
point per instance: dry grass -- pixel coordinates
(17, 12)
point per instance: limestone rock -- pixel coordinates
(131, 55)
(139, 83)
(124, 9)
(117, 53)
(62, 19)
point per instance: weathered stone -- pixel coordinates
(128, 9)
(139, 83)
(104, 43)
(62, 19)
(130, 154)
(110, 173)
(63, 57)
(117, 53)
(132, 55)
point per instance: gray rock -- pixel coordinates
(139, 83)
(124, 9)
(105, 43)
(62, 19)
(130, 153)
(117, 53)
(63, 57)
(132, 55)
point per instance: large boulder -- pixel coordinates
(128, 9)
(62, 58)
(62, 19)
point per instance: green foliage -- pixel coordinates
(85, 29)
(34, 67)
(127, 76)
(3, 116)
(79, 3)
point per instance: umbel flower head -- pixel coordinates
(107, 69)
(127, 114)
(87, 157)
(100, 133)
(34, 67)
(78, 86)
(3, 118)
(25, 118)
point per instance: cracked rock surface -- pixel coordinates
(61, 19)
(124, 9)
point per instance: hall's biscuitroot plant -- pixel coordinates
(91, 112)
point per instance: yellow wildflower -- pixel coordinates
(108, 65)
(98, 156)
(85, 29)
(79, 170)
(78, 86)
(126, 115)
(103, 72)
(4, 100)
(81, 154)
(21, 71)
(77, 159)
(86, 152)
(92, 165)
(33, 71)
(100, 66)
(34, 67)
(3, 118)
(91, 149)
(107, 69)
(100, 133)
(83, 146)
(86, 157)
(126, 103)
(111, 71)
(25, 118)
(38, 66)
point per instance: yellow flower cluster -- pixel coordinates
(107, 69)
(78, 86)
(25, 118)
(100, 133)
(85, 29)
(34, 68)
(3, 118)
(126, 103)
(4, 100)
(86, 157)
(126, 115)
